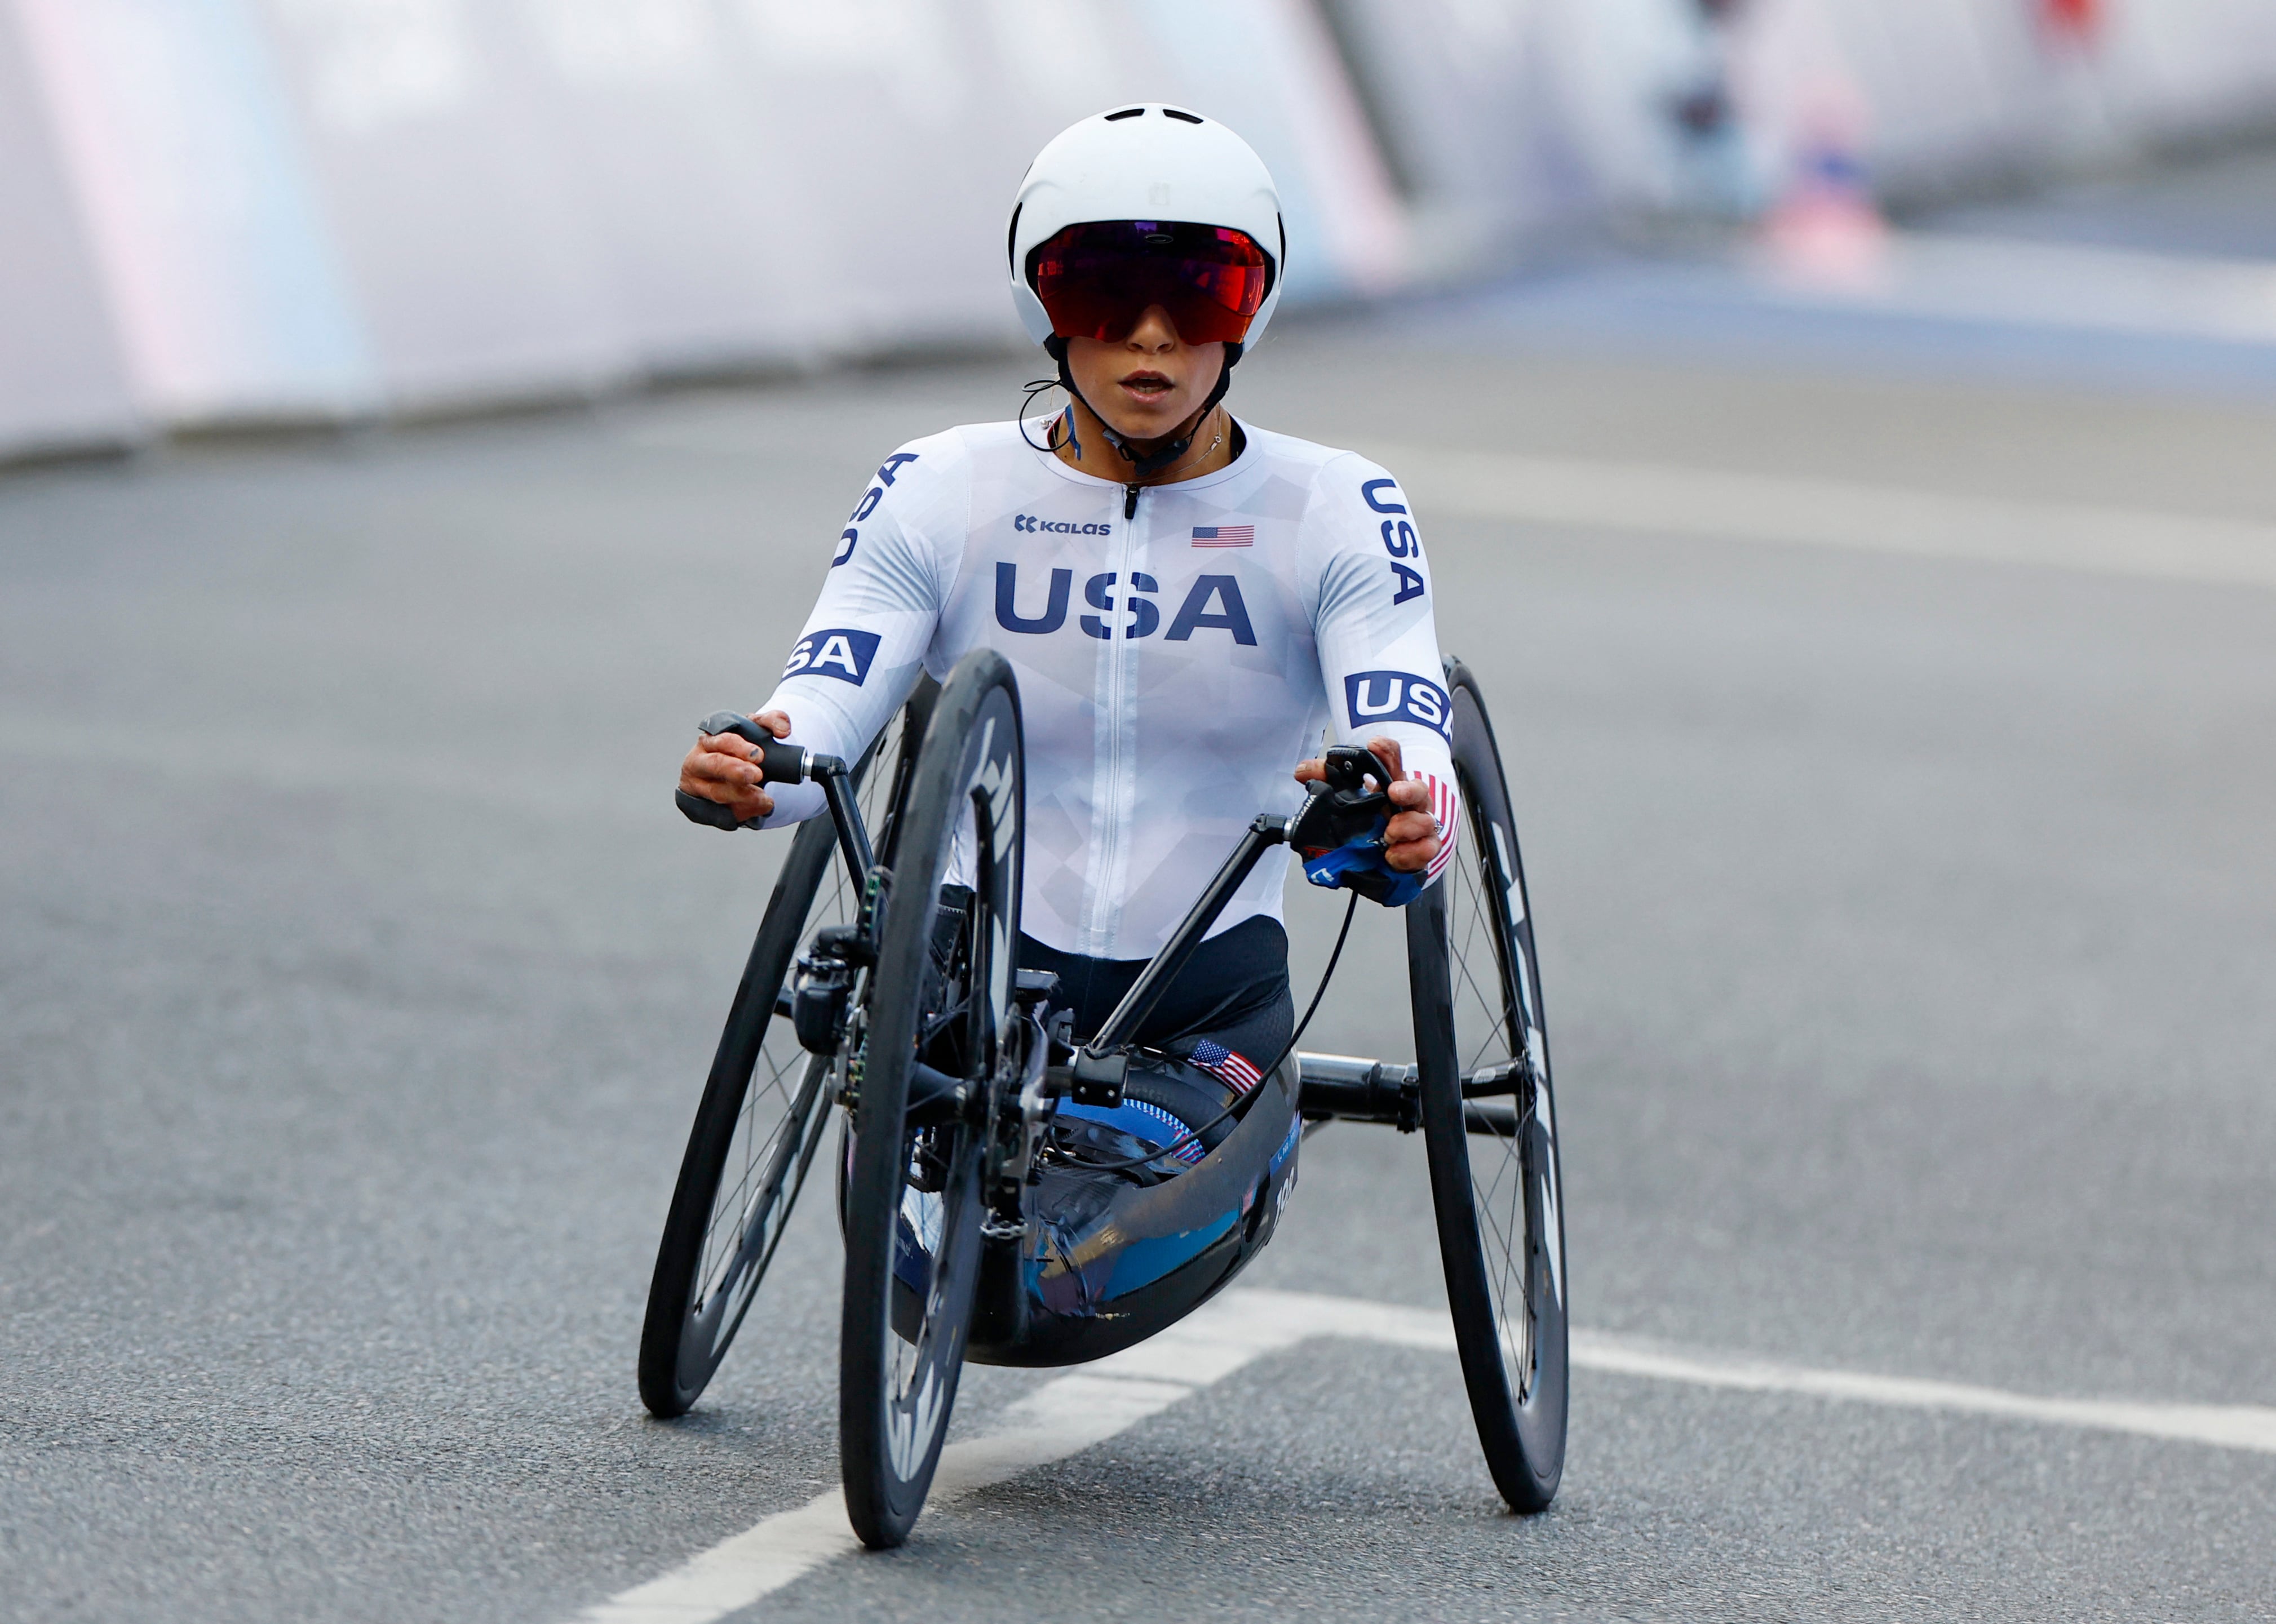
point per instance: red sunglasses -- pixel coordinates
(1097, 280)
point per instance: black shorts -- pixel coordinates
(1233, 994)
(1233, 991)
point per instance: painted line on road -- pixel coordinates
(1060, 1418)
(1071, 1413)
(1662, 499)
(2225, 1426)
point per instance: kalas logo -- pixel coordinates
(1029, 523)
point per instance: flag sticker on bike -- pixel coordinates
(1224, 535)
(1232, 1068)
(1377, 696)
(839, 651)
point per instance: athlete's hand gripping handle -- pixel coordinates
(777, 763)
(1339, 833)
(1342, 808)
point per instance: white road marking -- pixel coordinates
(2227, 1426)
(1058, 1419)
(1067, 1415)
(1661, 499)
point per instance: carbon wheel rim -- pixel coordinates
(937, 1220)
(936, 1254)
(939, 995)
(1512, 1189)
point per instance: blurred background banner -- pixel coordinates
(193, 189)
(262, 211)
(61, 377)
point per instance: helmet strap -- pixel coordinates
(1145, 466)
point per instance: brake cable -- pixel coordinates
(1192, 1135)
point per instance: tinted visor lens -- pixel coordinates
(1097, 280)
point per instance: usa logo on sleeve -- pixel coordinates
(841, 652)
(1224, 535)
(1397, 696)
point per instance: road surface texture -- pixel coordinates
(1895, 747)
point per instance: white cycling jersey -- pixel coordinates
(1173, 666)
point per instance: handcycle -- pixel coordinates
(882, 989)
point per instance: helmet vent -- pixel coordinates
(1172, 112)
(1130, 112)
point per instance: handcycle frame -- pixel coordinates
(973, 1231)
(1047, 1295)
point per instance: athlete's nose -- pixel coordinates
(1154, 330)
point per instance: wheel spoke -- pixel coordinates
(1490, 1014)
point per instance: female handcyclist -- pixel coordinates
(1185, 600)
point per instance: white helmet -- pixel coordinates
(1146, 161)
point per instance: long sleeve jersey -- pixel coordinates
(1173, 666)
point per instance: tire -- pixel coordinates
(1495, 1183)
(941, 991)
(764, 1110)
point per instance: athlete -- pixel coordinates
(1185, 598)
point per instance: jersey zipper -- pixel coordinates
(1110, 843)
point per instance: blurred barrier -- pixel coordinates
(207, 255)
(1502, 118)
(476, 263)
(62, 381)
(1948, 91)
(234, 209)
(324, 208)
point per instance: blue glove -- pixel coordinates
(1361, 866)
(1339, 831)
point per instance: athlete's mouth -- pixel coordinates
(1150, 384)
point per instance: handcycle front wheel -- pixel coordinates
(938, 1009)
(763, 1112)
(1489, 1124)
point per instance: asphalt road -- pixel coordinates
(1907, 925)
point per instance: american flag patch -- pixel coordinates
(1447, 807)
(1234, 1071)
(1224, 535)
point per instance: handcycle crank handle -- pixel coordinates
(778, 764)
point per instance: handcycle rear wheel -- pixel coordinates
(938, 1004)
(1490, 1125)
(762, 1115)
